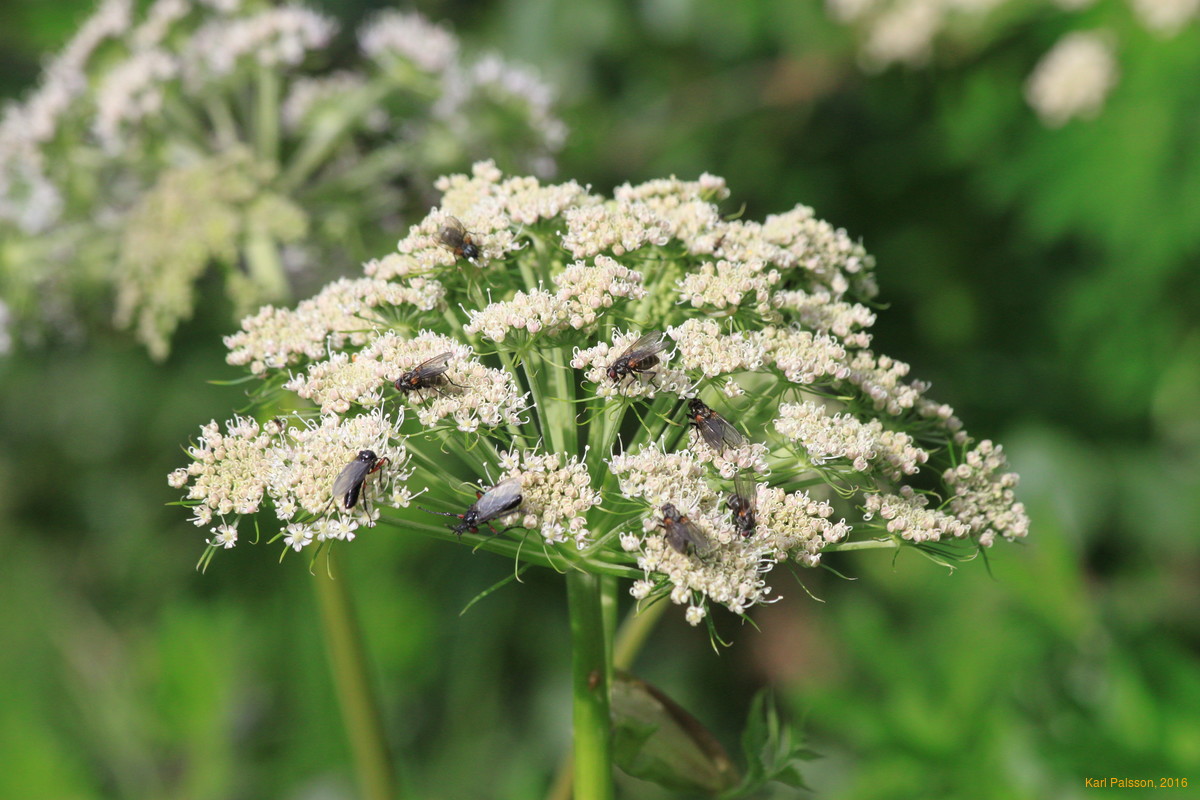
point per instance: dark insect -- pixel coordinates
(743, 503)
(498, 501)
(348, 486)
(455, 236)
(717, 431)
(640, 357)
(429, 374)
(682, 533)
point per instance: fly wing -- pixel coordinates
(719, 433)
(433, 366)
(684, 533)
(747, 489)
(651, 344)
(499, 500)
(351, 476)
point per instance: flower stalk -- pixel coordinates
(590, 680)
(351, 677)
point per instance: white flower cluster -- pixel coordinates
(617, 227)
(1166, 17)
(984, 497)
(344, 312)
(730, 573)
(1073, 79)
(556, 495)
(147, 96)
(596, 360)
(584, 292)
(726, 284)
(295, 467)
(804, 357)
(280, 36)
(794, 525)
(866, 445)
(730, 569)
(470, 394)
(702, 347)
(909, 517)
(729, 461)
(229, 471)
(658, 477)
(393, 34)
(705, 516)
(818, 311)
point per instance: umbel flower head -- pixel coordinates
(635, 386)
(171, 137)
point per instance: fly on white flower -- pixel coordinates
(639, 358)
(717, 431)
(348, 486)
(681, 533)
(454, 236)
(744, 504)
(501, 500)
(429, 374)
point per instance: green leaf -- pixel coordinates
(772, 753)
(656, 740)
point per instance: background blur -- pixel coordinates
(1045, 280)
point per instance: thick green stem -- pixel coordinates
(348, 661)
(589, 684)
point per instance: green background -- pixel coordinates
(1044, 280)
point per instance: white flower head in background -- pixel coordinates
(1074, 79)
(173, 138)
(1070, 82)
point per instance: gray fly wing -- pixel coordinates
(501, 499)
(354, 474)
(680, 535)
(719, 433)
(746, 488)
(434, 366)
(651, 344)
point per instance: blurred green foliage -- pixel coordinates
(1043, 279)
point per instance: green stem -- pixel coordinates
(265, 266)
(348, 662)
(221, 118)
(870, 544)
(266, 115)
(589, 683)
(634, 632)
(327, 132)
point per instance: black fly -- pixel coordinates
(502, 499)
(348, 486)
(640, 357)
(681, 533)
(454, 236)
(429, 374)
(717, 431)
(744, 503)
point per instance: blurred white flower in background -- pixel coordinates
(170, 139)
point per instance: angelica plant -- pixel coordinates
(684, 401)
(176, 137)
